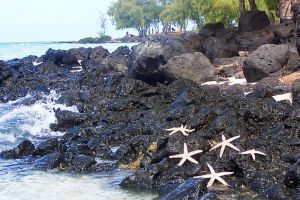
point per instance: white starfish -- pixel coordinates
(225, 143)
(186, 155)
(182, 129)
(213, 176)
(253, 152)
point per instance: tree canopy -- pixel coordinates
(146, 15)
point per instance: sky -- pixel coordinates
(53, 20)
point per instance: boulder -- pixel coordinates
(67, 119)
(253, 20)
(60, 58)
(296, 88)
(46, 147)
(95, 58)
(5, 73)
(83, 162)
(192, 66)
(250, 41)
(269, 87)
(293, 63)
(285, 32)
(147, 58)
(25, 148)
(190, 189)
(267, 60)
(80, 53)
(227, 43)
(121, 51)
(219, 47)
(209, 30)
(50, 161)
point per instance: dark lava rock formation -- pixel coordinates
(123, 114)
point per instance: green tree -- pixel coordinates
(208, 11)
(138, 14)
(178, 13)
(143, 15)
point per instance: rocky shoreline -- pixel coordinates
(127, 99)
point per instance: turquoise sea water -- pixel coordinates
(23, 49)
(19, 121)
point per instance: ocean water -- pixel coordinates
(19, 181)
(22, 49)
(21, 120)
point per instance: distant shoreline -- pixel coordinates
(76, 42)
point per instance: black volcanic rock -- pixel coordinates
(195, 67)
(25, 148)
(67, 119)
(46, 147)
(190, 189)
(267, 60)
(49, 161)
(269, 87)
(60, 58)
(253, 20)
(147, 58)
(83, 162)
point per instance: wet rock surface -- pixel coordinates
(25, 148)
(122, 118)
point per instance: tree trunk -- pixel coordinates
(285, 9)
(252, 5)
(242, 6)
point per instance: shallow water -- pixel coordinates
(23, 49)
(19, 181)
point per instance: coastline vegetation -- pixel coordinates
(101, 39)
(149, 16)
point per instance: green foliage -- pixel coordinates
(137, 14)
(178, 12)
(208, 11)
(101, 39)
(143, 14)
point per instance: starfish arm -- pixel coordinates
(197, 177)
(245, 152)
(211, 182)
(223, 138)
(176, 156)
(205, 176)
(222, 150)
(175, 131)
(195, 152)
(233, 147)
(216, 146)
(192, 160)
(253, 155)
(211, 169)
(222, 181)
(261, 153)
(182, 161)
(233, 138)
(185, 150)
(184, 133)
(224, 173)
(189, 130)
